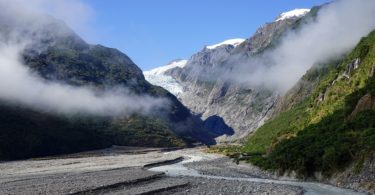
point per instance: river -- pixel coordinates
(310, 188)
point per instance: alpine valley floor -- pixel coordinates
(129, 170)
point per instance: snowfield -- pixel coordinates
(234, 42)
(293, 13)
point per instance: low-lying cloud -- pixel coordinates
(336, 30)
(75, 13)
(20, 29)
(20, 85)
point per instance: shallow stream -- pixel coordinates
(311, 188)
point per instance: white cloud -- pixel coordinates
(18, 84)
(336, 30)
(75, 13)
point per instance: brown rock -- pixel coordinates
(372, 71)
(367, 102)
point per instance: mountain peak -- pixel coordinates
(234, 42)
(292, 13)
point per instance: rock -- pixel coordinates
(354, 64)
(372, 73)
(359, 176)
(367, 102)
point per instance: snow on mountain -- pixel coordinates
(293, 13)
(233, 42)
(157, 77)
(163, 69)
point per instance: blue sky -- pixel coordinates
(154, 32)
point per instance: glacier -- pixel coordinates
(157, 77)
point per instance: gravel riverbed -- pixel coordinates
(222, 186)
(124, 170)
(224, 166)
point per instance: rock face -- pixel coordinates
(266, 36)
(353, 65)
(367, 102)
(207, 93)
(359, 176)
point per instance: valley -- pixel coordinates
(289, 108)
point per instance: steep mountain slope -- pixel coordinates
(57, 54)
(329, 128)
(208, 93)
(269, 34)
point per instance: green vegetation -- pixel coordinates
(285, 125)
(320, 134)
(327, 147)
(152, 131)
(26, 133)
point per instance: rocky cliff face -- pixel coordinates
(207, 93)
(265, 37)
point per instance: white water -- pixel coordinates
(311, 188)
